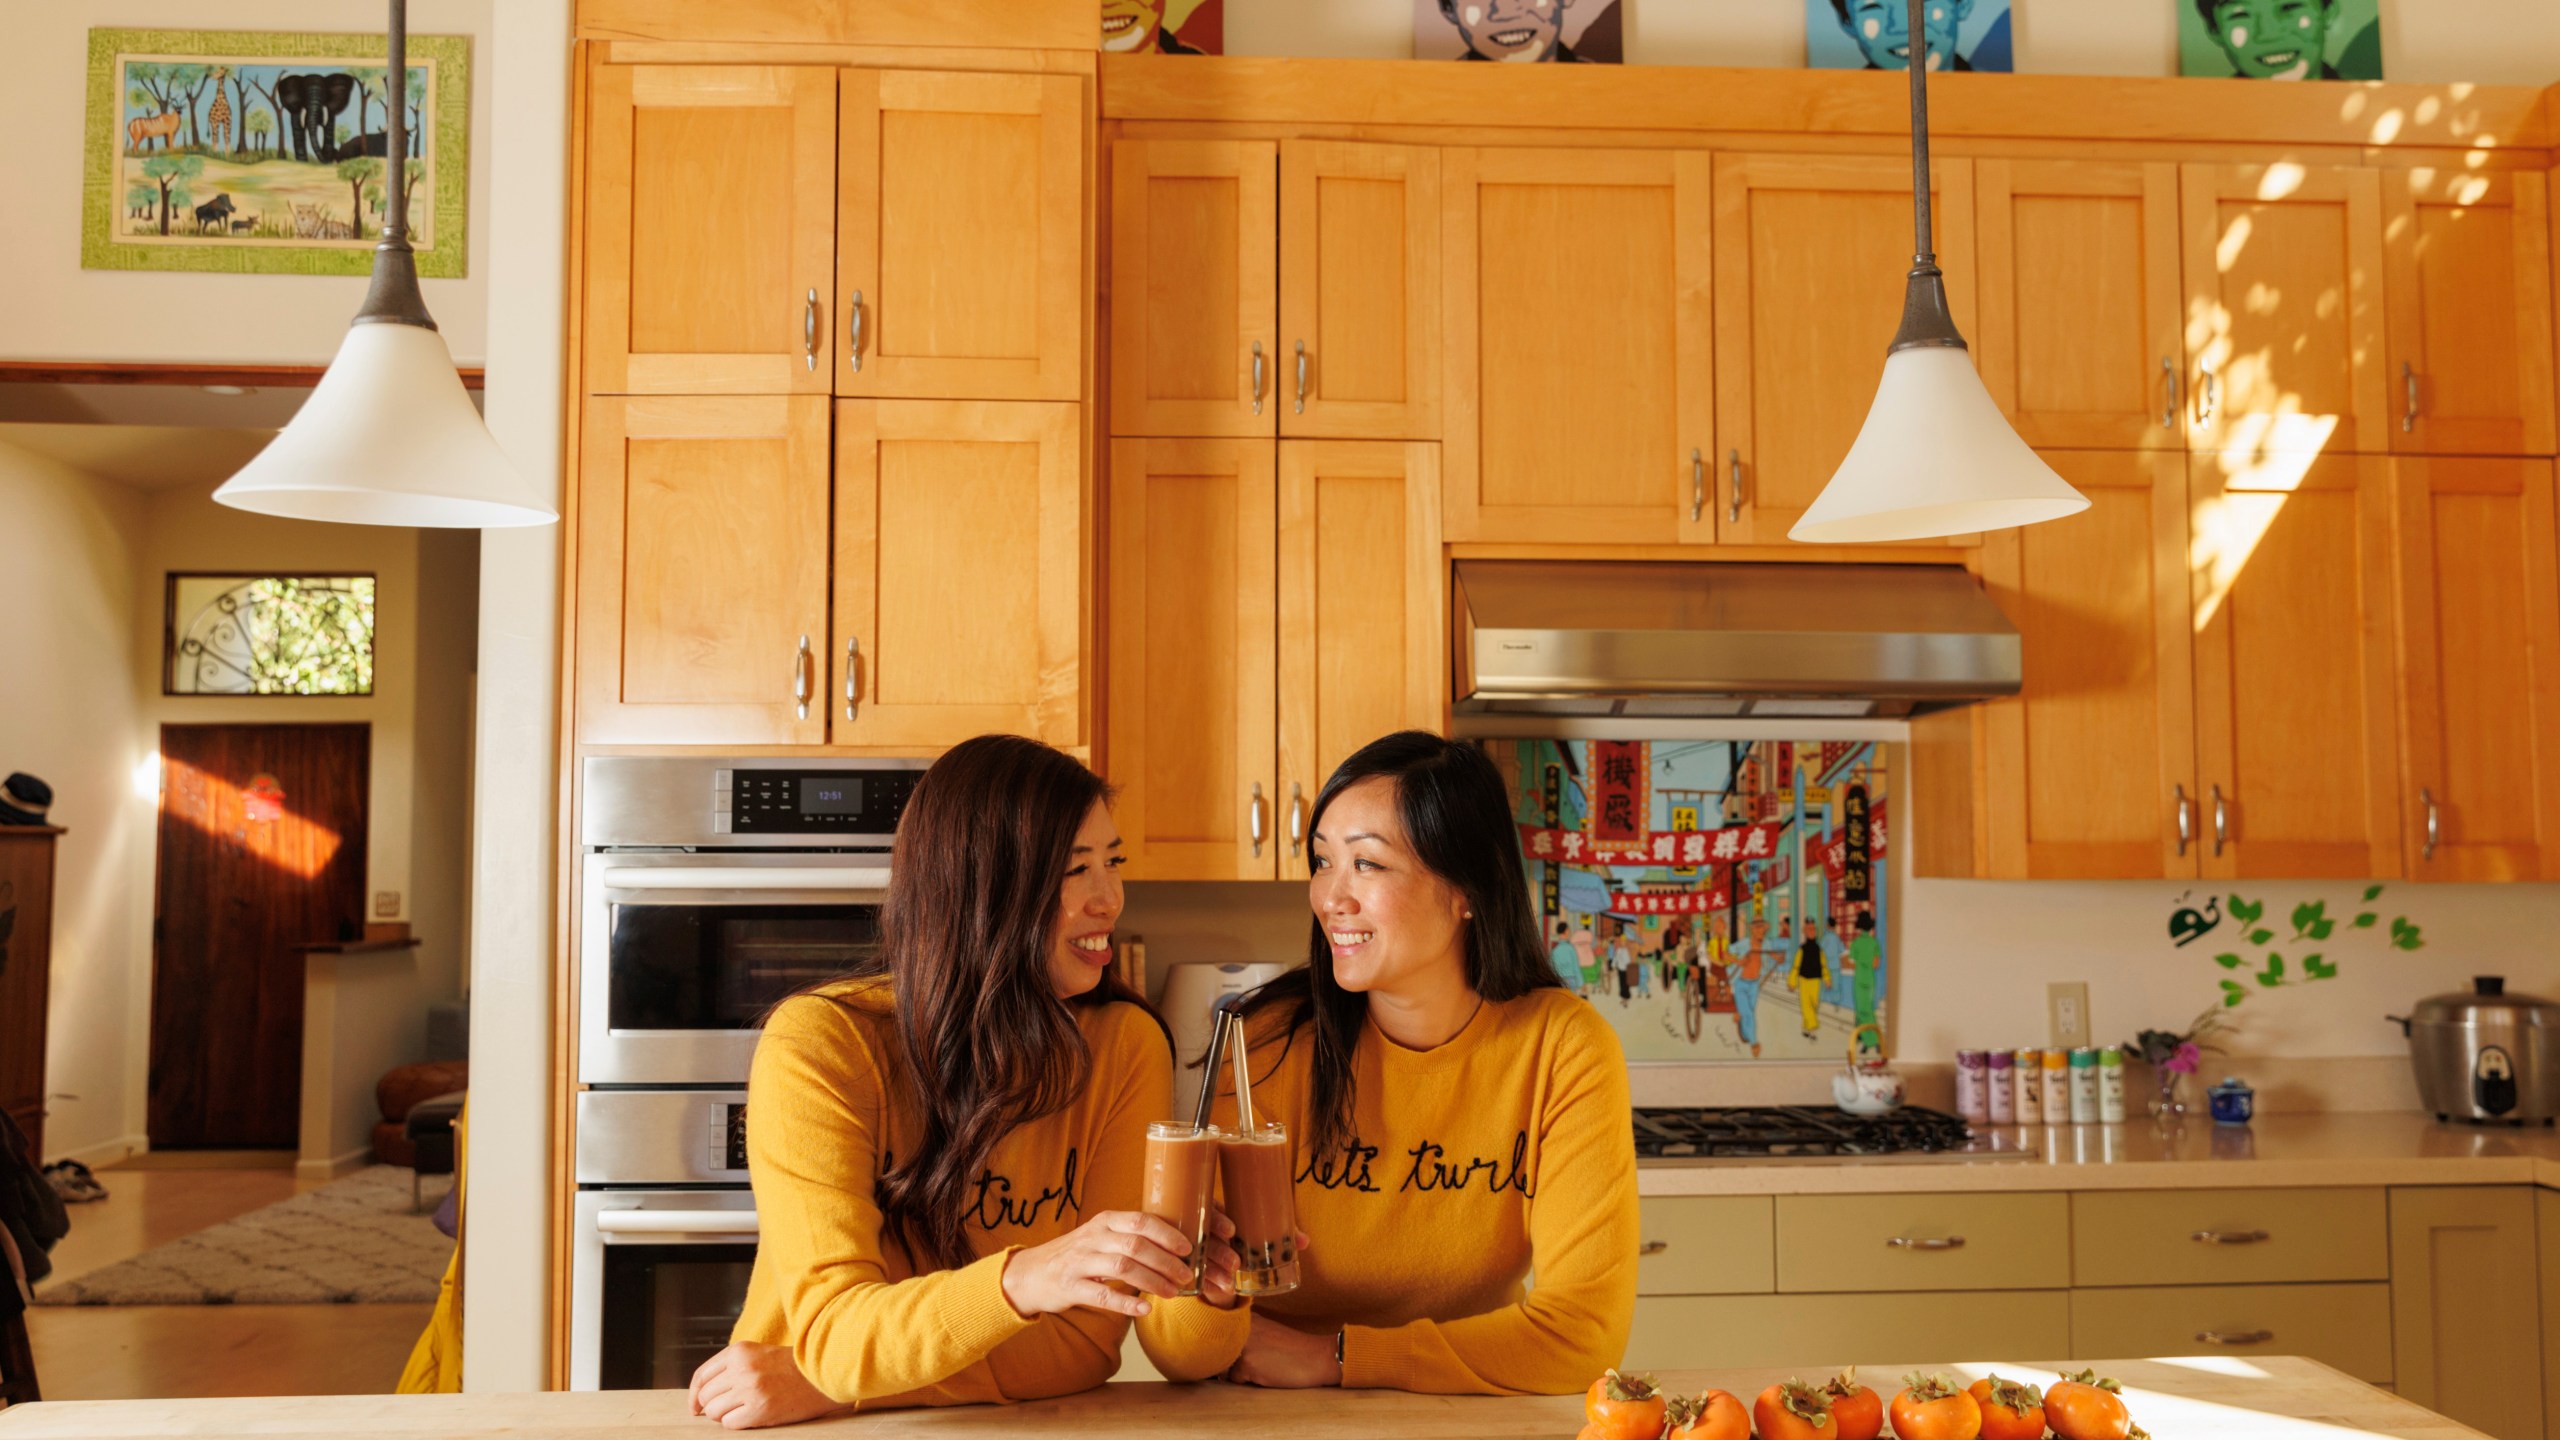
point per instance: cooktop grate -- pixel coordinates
(1793, 1130)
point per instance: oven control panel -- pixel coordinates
(833, 801)
(662, 1137)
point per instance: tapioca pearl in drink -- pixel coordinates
(1180, 1170)
(1261, 1199)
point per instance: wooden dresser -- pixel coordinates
(26, 960)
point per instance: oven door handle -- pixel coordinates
(610, 1223)
(872, 881)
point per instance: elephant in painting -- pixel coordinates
(311, 105)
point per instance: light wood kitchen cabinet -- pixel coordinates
(2348, 1326)
(2479, 668)
(1193, 645)
(1194, 272)
(1687, 1332)
(702, 570)
(1363, 611)
(1359, 291)
(711, 213)
(2284, 308)
(2465, 1305)
(1809, 255)
(2467, 263)
(959, 573)
(2076, 364)
(2228, 1237)
(960, 235)
(1923, 1242)
(1578, 346)
(2296, 707)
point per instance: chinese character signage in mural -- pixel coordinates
(1716, 900)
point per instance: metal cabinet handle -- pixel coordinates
(1733, 500)
(809, 330)
(852, 656)
(1905, 1242)
(1653, 1247)
(853, 352)
(1297, 819)
(2229, 1237)
(1697, 486)
(2169, 403)
(1257, 820)
(2208, 396)
(800, 682)
(2234, 1337)
(2409, 386)
(2435, 832)
(2186, 819)
(1257, 377)
(2221, 821)
(1302, 377)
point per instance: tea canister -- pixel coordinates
(2232, 1100)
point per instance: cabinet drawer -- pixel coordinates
(2229, 1237)
(1826, 1331)
(2347, 1326)
(1923, 1242)
(1707, 1245)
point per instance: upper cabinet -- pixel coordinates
(1577, 346)
(960, 236)
(711, 245)
(1359, 291)
(2468, 257)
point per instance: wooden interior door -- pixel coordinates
(1195, 287)
(2284, 308)
(1192, 640)
(702, 570)
(960, 233)
(1364, 611)
(711, 220)
(27, 854)
(2468, 253)
(1811, 251)
(262, 848)
(959, 574)
(2480, 669)
(1579, 400)
(2296, 694)
(2091, 769)
(2079, 340)
(1360, 290)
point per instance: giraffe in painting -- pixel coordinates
(217, 121)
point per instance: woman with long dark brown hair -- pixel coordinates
(947, 1146)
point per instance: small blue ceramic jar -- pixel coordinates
(2233, 1101)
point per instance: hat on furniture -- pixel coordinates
(24, 799)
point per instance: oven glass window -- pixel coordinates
(668, 1308)
(721, 967)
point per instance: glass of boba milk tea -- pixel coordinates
(1261, 1195)
(1181, 1168)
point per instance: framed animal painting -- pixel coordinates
(266, 153)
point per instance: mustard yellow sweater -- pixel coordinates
(1505, 1150)
(827, 1109)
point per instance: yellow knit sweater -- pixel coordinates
(826, 1109)
(1505, 1150)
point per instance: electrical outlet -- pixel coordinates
(386, 904)
(2067, 1007)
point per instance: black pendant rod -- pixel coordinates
(393, 298)
(396, 175)
(1926, 321)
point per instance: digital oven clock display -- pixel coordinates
(830, 795)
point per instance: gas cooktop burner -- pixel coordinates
(1783, 1130)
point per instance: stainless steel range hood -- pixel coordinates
(1715, 641)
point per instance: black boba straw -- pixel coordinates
(1225, 1010)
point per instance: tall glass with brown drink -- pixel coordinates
(1254, 1168)
(1181, 1167)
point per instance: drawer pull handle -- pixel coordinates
(1653, 1247)
(2234, 1337)
(2230, 1237)
(1905, 1242)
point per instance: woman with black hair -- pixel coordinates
(1462, 1118)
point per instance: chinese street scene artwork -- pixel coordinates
(1714, 899)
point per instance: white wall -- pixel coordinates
(2504, 42)
(58, 311)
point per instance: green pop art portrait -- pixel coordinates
(2281, 39)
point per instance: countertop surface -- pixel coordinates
(2386, 1148)
(2222, 1397)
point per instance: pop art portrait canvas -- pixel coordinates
(1164, 27)
(1876, 34)
(2280, 39)
(1569, 32)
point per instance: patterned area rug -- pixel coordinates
(353, 1241)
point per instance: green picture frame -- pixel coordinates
(270, 186)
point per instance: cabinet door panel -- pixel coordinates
(2284, 308)
(1192, 640)
(1194, 288)
(2469, 254)
(2346, 1326)
(2090, 764)
(2480, 669)
(961, 227)
(1360, 290)
(702, 544)
(2297, 735)
(1822, 1332)
(2465, 1304)
(1363, 610)
(1577, 328)
(959, 577)
(1810, 251)
(2072, 362)
(711, 227)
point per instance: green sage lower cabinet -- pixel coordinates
(2466, 1308)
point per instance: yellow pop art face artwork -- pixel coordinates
(1146, 27)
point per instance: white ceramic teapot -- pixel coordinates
(1870, 1086)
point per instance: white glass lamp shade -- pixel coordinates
(1935, 458)
(388, 437)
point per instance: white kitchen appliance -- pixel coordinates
(1190, 993)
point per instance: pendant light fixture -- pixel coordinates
(1935, 457)
(389, 437)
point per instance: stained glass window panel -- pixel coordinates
(270, 635)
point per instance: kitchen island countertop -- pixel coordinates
(2222, 1397)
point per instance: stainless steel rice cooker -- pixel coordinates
(2484, 1056)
